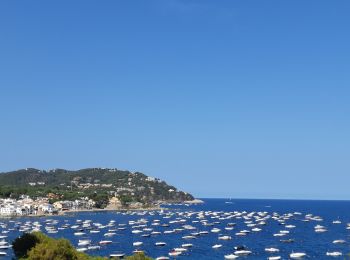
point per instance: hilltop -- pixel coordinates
(98, 184)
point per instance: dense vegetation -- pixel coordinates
(37, 246)
(95, 183)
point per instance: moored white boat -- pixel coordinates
(272, 250)
(297, 255)
(242, 252)
(335, 253)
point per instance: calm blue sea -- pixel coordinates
(306, 240)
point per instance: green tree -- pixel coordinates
(60, 249)
(21, 245)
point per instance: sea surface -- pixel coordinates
(216, 213)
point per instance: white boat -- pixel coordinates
(335, 253)
(242, 252)
(272, 250)
(284, 231)
(105, 242)
(279, 235)
(109, 234)
(118, 255)
(274, 258)
(82, 249)
(216, 246)
(84, 242)
(297, 255)
(215, 230)
(320, 230)
(225, 238)
(174, 253)
(160, 244)
(138, 243)
(79, 233)
(188, 237)
(94, 247)
(231, 256)
(339, 241)
(180, 249)
(187, 245)
(3, 253)
(162, 258)
(289, 226)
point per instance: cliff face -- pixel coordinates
(89, 182)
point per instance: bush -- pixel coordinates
(59, 249)
(21, 245)
(38, 246)
(138, 256)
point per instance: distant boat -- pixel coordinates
(139, 243)
(82, 249)
(84, 242)
(79, 233)
(118, 255)
(174, 253)
(339, 241)
(162, 258)
(334, 253)
(272, 250)
(225, 238)
(274, 258)
(105, 242)
(297, 255)
(242, 252)
(94, 247)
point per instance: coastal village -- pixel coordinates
(26, 206)
(32, 192)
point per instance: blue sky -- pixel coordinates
(220, 98)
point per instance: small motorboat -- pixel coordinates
(138, 243)
(272, 250)
(297, 255)
(242, 252)
(335, 254)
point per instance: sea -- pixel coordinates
(270, 217)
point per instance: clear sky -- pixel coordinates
(226, 98)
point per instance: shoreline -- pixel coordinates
(63, 213)
(67, 212)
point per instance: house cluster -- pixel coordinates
(66, 205)
(36, 183)
(25, 206)
(28, 206)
